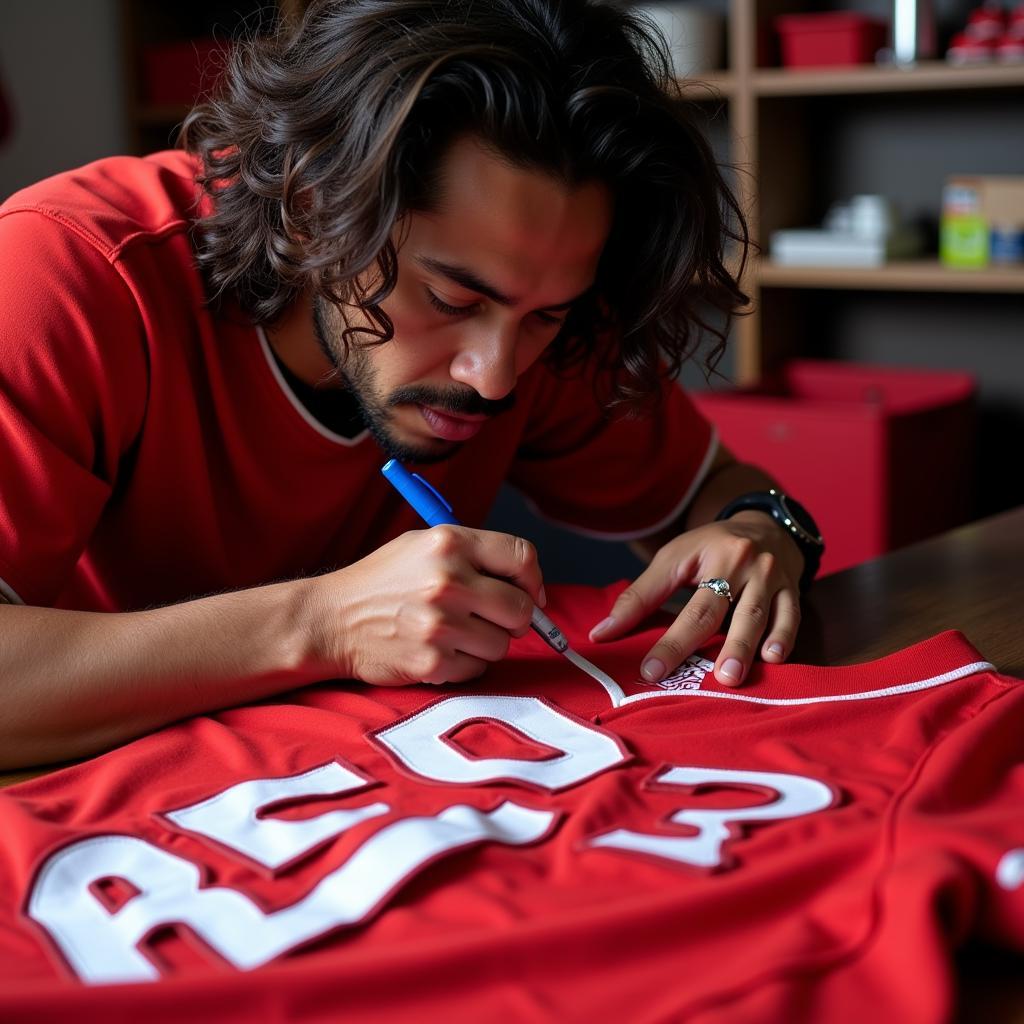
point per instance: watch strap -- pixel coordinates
(792, 517)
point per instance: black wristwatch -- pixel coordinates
(793, 518)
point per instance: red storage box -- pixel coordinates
(182, 73)
(821, 40)
(881, 457)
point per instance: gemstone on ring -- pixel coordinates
(718, 586)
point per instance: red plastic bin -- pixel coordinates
(882, 457)
(181, 73)
(829, 39)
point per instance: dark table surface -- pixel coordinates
(971, 579)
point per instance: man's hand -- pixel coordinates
(431, 606)
(762, 566)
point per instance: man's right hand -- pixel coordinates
(431, 606)
(434, 606)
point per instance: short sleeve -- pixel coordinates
(72, 395)
(605, 473)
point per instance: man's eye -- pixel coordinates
(443, 307)
(550, 318)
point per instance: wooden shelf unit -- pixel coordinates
(771, 149)
(159, 115)
(927, 76)
(762, 106)
(712, 85)
(143, 24)
(925, 275)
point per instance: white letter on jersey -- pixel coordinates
(231, 818)
(797, 796)
(1010, 870)
(418, 745)
(102, 947)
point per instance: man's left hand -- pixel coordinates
(762, 567)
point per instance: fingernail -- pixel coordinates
(542, 597)
(775, 649)
(653, 670)
(731, 669)
(602, 627)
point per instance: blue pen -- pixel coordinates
(435, 511)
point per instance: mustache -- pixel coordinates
(456, 400)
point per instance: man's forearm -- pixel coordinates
(724, 484)
(727, 479)
(75, 683)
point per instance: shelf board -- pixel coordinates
(709, 86)
(908, 275)
(927, 76)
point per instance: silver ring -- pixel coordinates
(718, 586)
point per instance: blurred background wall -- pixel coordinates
(62, 69)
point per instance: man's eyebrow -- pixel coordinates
(467, 279)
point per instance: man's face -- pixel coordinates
(484, 284)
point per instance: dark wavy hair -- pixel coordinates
(321, 138)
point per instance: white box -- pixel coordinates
(817, 247)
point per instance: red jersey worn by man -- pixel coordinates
(535, 846)
(151, 450)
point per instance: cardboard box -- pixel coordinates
(881, 457)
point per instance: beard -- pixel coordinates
(353, 366)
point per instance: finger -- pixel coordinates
(481, 639)
(749, 621)
(645, 595)
(509, 558)
(503, 604)
(699, 620)
(456, 667)
(783, 627)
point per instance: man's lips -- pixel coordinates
(452, 427)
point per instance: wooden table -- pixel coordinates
(971, 579)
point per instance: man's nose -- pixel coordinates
(487, 360)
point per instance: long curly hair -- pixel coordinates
(322, 137)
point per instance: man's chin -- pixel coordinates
(423, 452)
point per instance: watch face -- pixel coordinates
(801, 519)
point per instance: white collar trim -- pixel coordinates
(347, 442)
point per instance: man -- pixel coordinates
(468, 235)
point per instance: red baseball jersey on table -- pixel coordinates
(151, 450)
(534, 846)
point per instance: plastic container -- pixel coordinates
(965, 50)
(1006, 243)
(1010, 49)
(830, 39)
(913, 31)
(987, 22)
(882, 457)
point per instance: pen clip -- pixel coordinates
(433, 490)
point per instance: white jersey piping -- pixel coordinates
(887, 691)
(8, 592)
(677, 511)
(348, 442)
